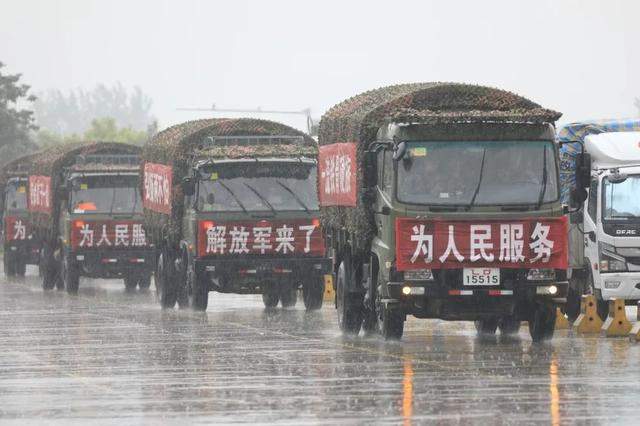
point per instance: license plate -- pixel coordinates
(481, 276)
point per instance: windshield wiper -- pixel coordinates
(235, 197)
(295, 196)
(543, 189)
(475, 193)
(264, 200)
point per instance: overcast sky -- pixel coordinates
(579, 57)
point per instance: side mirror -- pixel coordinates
(400, 151)
(583, 170)
(63, 191)
(371, 168)
(188, 186)
(578, 197)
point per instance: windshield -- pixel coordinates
(620, 200)
(16, 195)
(478, 173)
(258, 187)
(105, 194)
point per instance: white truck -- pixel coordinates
(607, 264)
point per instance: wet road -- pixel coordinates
(106, 356)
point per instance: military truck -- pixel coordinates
(231, 205)
(441, 200)
(85, 206)
(607, 230)
(21, 248)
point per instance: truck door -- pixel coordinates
(591, 230)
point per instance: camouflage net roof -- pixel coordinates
(17, 167)
(358, 118)
(178, 144)
(442, 106)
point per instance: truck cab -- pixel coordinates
(20, 245)
(251, 226)
(610, 268)
(100, 222)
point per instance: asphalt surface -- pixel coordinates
(107, 356)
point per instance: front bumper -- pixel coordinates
(620, 285)
(247, 275)
(113, 263)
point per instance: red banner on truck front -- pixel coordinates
(16, 229)
(337, 174)
(156, 193)
(446, 244)
(39, 199)
(281, 238)
(107, 234)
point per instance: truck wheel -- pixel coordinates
(543, 323)
(289, 295)
(572, 307)
(48, 267)
(9, 264)
(167, 289)
(487, 326)
(509, 325)
(144, 282)
(349, 306)
(70, 276)
(391, 323)
(270, 296)
(130, 282)
(313, 293)
(21, 268)
(200, 293)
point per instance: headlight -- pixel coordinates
(419, 275)
(541, 275)
(610, 261)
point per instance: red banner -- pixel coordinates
(283, 238)
(158, 181)
(107, 234)
(446, 244)
(337, 174)
(39, 199)
(16, 229)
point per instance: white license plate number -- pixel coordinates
(481, 276)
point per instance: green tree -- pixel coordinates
(16, 123)
(101, 129)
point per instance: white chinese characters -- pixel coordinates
(102, 235)
(241, 239)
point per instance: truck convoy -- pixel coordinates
(442, 200)
(86, 208)
(231, 205)
(607, 230)
(21, 248)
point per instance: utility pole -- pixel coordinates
(311, 129)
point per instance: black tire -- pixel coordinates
(130, 282)
(288, 295)
(200, 294)
(391, 323)
(168, 294)
(9, 264)
(144, 282)
(543, 323)
(487, 326)
(572, 307)
(50, 275)
(270, 296)
(313, 294)
(21, 268)
(70, 277)
(348, 305)
(509, 325)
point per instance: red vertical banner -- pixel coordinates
(39, 199)
(337, 174)
(156, 193)
(444, 244)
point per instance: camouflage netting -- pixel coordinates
(179, 145)
(442, 105)
(53, 161)
(16, 168)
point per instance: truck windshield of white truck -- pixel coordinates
(621, 200)
(258, 187)
(16, 194)
(105, 194)
(478, 173)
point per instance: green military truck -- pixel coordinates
(21, 248)
(231, 205)
(442, 201)
(85, 206)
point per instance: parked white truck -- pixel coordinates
(607, 264)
